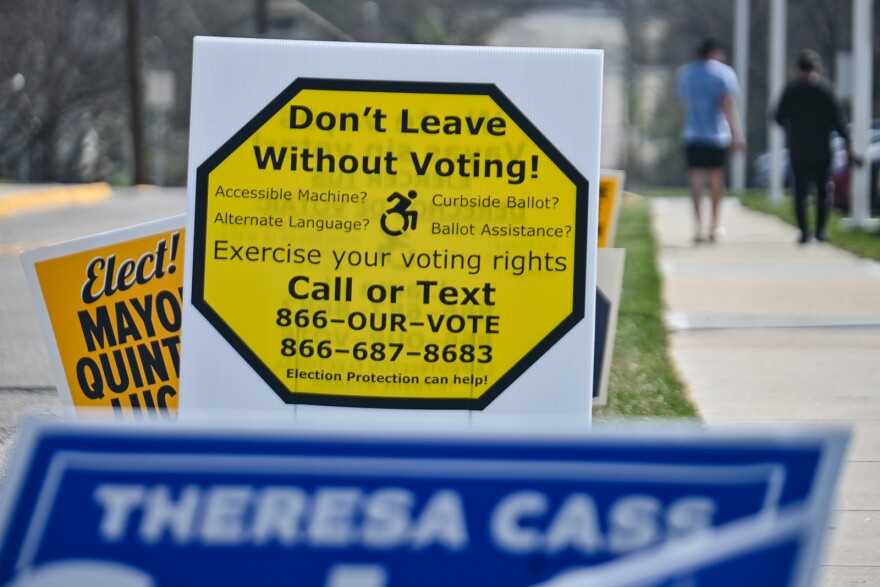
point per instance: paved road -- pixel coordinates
(26, 382)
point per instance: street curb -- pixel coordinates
(32, 200)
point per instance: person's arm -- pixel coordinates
(782, 115)
(840, 127)
(837, 117)
(728, 105)
(680, 89)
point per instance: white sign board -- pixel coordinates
(391, 227)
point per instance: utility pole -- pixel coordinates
(262, 14)
(777, 79)
(741, 65)
(860, 186)
(135, 91)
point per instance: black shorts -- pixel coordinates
(705, 156)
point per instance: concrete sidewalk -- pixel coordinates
(767, 331)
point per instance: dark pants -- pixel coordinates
(806, 172)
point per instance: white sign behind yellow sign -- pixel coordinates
(610, 200)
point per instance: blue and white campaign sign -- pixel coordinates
(105, 504)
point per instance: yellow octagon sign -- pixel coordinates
(390, 244)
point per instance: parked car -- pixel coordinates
(840, 176)
(762, 164)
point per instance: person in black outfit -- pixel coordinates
(809, 112)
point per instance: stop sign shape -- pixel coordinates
(390, 244)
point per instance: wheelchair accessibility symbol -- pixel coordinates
(399, 218)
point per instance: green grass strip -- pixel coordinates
(643, 381)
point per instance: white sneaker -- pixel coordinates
(716, 233)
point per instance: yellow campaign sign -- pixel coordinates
(115, 316)
(610, 196)
(390, 244)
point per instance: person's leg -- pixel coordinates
(821, 177)
(716, 185)
(801, 173)
(696, 179)
(695, 156)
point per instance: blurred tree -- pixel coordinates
(169, 27)
(135, 73)
(64, 109)
(64, 113)
(60, 83)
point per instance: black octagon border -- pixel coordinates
(582, 191)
